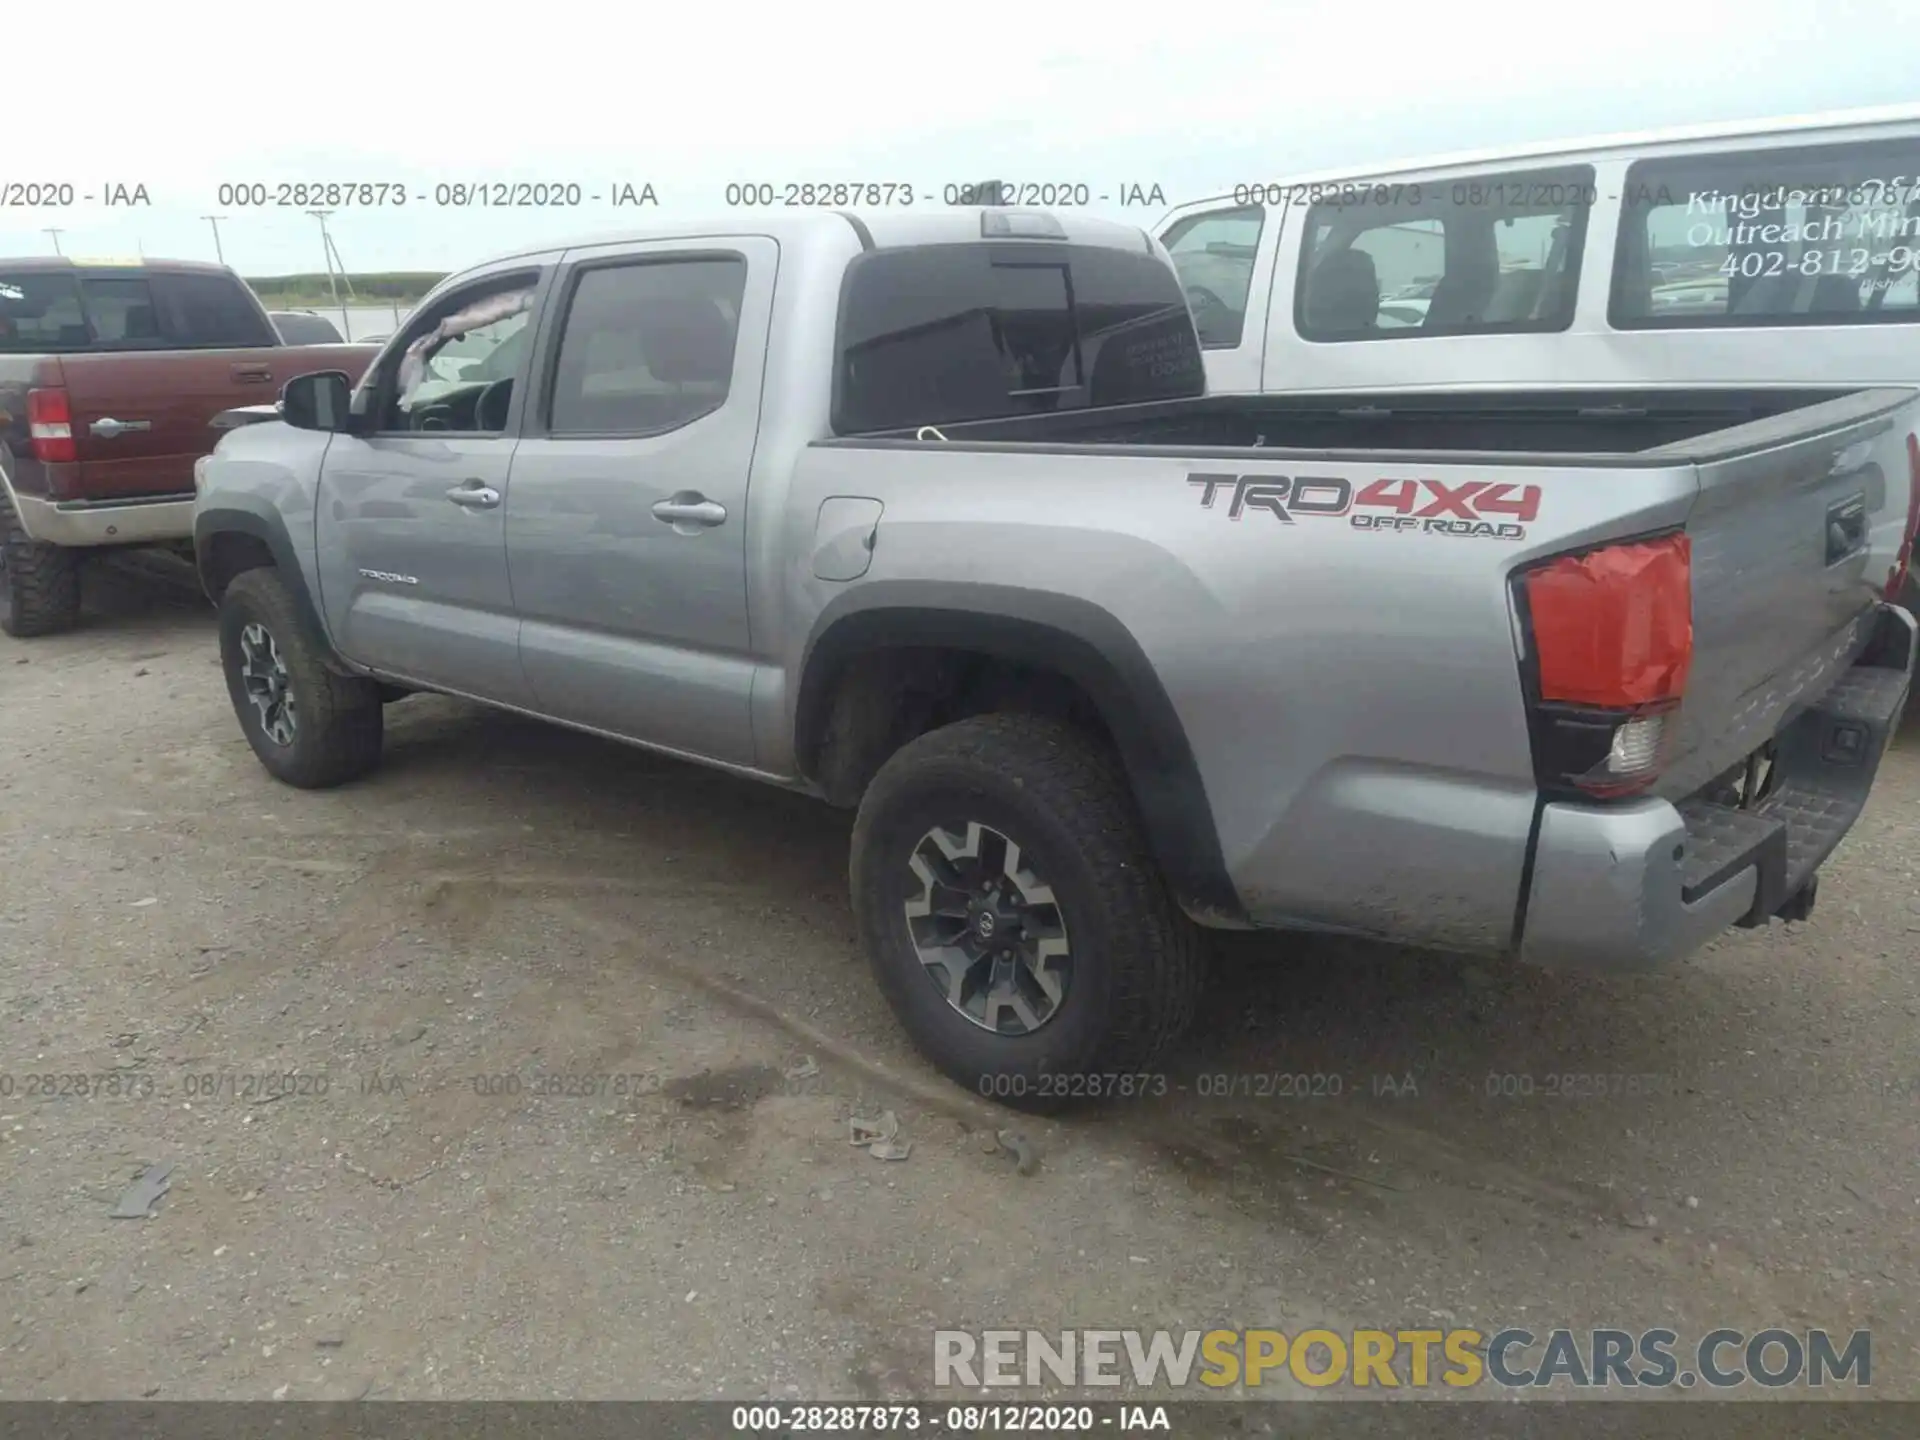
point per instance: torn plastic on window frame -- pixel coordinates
(481, 312)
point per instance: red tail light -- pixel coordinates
(50, 424)
(1612, 646)
(1614, 627)
(1903, 562)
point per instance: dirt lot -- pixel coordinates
(506, 900)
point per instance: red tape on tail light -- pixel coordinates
(1614, 628)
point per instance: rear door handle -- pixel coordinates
(689, 510)
(474, 495)
(107, 427)
(252, 374)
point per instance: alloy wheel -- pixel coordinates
(268, 685)
(987, 929)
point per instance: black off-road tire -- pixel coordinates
(1063, 798)
(39, 583)
(337, 725)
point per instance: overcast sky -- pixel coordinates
(1192, 97)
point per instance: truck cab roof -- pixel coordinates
(43, 264)
(890, 229)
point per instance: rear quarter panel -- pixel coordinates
(1352, 695)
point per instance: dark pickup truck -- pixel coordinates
(110, 375)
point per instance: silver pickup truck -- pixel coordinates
(929, 515)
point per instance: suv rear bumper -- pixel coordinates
(146, 520)
(1631, 886)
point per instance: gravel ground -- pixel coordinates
(505, 902)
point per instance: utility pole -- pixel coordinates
(346, 275)
(54, 233)
(214, 221)
(326, 250)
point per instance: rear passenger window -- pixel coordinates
(648, 347)
(1486, 255)
(1809, 236)
(1214, 254)
(938, 334)
(122, 312)
(209, 312)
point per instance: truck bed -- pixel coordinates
(1595, 426)
(1356, 556)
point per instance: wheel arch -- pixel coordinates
(230, 539)
(1048, 633)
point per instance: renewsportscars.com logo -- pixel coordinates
(1399, 1359)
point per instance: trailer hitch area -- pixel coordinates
(1800, 904)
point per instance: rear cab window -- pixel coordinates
(1491, 254)
(939, 334)
(63, 311)
(1817, 235)
(122, 312)
(40, 313)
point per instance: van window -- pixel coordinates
(1808, 236)
(1485, 255)
(938, 334)
(1214, 253)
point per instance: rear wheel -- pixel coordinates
(1014, 917)
(39, 583)
(309, 726)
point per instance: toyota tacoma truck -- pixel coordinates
(109, 376)
(931, 517)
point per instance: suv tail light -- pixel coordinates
(1903, 562)
(1609, 644)
(50, 425)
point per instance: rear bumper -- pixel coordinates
(1634, 885)
(88, 523)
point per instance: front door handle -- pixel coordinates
(689, 511)
(108, 427)
(474, 495)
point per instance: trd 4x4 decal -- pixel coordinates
(1477, 509)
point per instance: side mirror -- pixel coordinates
(318, 401)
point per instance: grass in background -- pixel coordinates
(375, 287)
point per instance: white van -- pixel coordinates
(1784, 253)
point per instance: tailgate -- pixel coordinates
(1796, 534)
